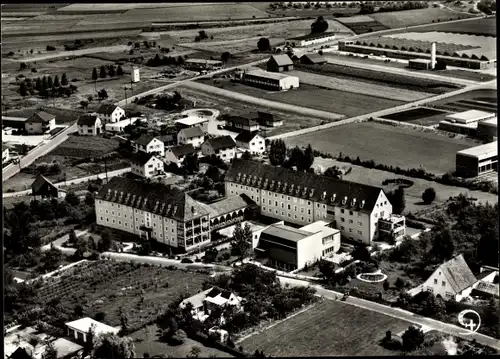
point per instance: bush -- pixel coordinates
(186, 260)
(50, 48)
(429, 195)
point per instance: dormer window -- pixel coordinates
(323, 196)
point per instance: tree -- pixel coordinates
(94, 74)
(386, 285)
(242, 240)
(84, 104)
(296, 157)
(111, 72)
(429, 195)
(442, 245)
(50, 352)
(44, 84)
(22, 66)
(38, 84)
(246, 155)
(277, 152)
(64, 80)
(191, 163)
(72, 198)
(225, 57)
(333, 172)
(399, 283)
(23, 90)
(102, 94)
(263, 44)
(203, 34)
(413, 338)
(194, 352)
(50, 82)
(56, 81)
(103, 74)
(72, 238)
(398, 200)
(308, 159)
(112, 346)
(320, 25)
(119, 71)
(361, 253)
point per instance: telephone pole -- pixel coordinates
(125, 89)
(106, 168)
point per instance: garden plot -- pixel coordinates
(85, 146)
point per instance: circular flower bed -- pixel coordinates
(372, 277)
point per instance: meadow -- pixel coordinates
(479, 26)
(420, 116)
(398, 19)
(85, 146)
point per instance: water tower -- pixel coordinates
(135, 75)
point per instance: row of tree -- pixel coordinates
(166, 61)
(105, 72)
(47, 85)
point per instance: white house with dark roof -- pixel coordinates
(79, 329)
(242, 123)
(251, 142)
(223, 147)
(302, 198)
(451, 280)
(205, 302)
(150, 144)
(110, 113)
(40, 123)
(177, 154)
(192, 135)
(146, 165)
(89, 125)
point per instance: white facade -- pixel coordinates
(257, 145)
(308, 42)
(437, 284)
(151, 168)
(270, 80)
(89, 130)
(38, 128)
(155, 145)
(5, 155)
(118, 114)
(80, 328)
(120, 125)
(196, 141)
(289, 82)
(135, 75)
(225, 154)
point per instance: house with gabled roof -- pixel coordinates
(44, 188)
(177, 154)
(149, 144)
(39, 123)
(222, 147)
(279, 63)
(191, 135)
(312, 58)
(89, 125)
(451, 280)
(110, 113)
(146, 165)
(251, 142)
(242, 123)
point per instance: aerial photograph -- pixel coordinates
(250, 179)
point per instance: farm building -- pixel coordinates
(44, 188)
(242, 123)
(205, 302)
(419, 64)
(459, 50)
(202, 65)
(477, 160)
(311, 39)
(109, 113)
(251, 141)
(146, 164)
(79, 329)
(89, 125)
(312, 59)
(488, 130)
(40, 123)
(17, 123)
(270, 80)
(192, 135)
(178, 153)
(279, 63)
(149, 144)
(222, 147)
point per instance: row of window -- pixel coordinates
(328, 250)
(342, 228)
(443, 283)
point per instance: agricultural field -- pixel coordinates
(85, 146)
(387, 145)
(413, 194)
(399, 19)
(142, 291)
(420, 116)
(330, 100)
(483, 100)
(234, 47)
(330, 328)
(360, 26)
(479, 26)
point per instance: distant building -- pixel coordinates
(119, 127)
(146, 164)
(192, 135)
(251, 141)
(5, 153)
(202, 64)
(79, 329)
(451, 280)
(311, 39)
(312, 59)
(17, 123)
(89, 125)
(488, 130)
(223, 147)
(477, 160)
(109, 113)
(487, 284)
(178, 153)
(270, 80)
(135, 75)
(241, 123)
(268, 120)
(419, 64)
(279, 63)
(149, 144)
(193, 121)
(44, 188)
(40, 123)
(466, 122)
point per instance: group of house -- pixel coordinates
(94, 124)
(39, 123)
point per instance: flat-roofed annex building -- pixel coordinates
(488, 130)
(270, 80)
(477, 160)
(303, 198)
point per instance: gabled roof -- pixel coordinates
(84, 325)
(286, 232)
(20, 353)
(221, 142)
(41, 116)
(39, 182)
(191, 132)
(282, 60)
(246, 136)
(458, 273)
(243, 121)
(141, 158)
(157, 198)
(87, 120)
(106, 109)
(182, 150)
(230, 204)
(145, 140)
(314, 57)
(317, 188)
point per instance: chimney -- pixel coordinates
(433, 55)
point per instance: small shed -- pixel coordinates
(279, 63)
(312, 59)
(45, 188)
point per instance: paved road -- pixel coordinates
(72, 182)
(40, 151)
(93, 50)
(400, 314)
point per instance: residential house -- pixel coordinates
(202, 64)
(312, 59)
(223, 147)
(268, 120)
(79, 329)
(146, 164)
(251, 142)
(241, 123)
(192, 135)
(178, 153)
(150, 144)
(89, 125)
(5, 153)
(487, 283)
(451, 280)
(209, 300)
(279, 63)
(153, 211)
(193, 121)
(45, 188)
(110, 113)
(40, 123)
(302, 198)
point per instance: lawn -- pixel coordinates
(85, 146)
(398, 19)
(241, 45)
(102, 286)
(462, 102)
(421, 116)
(374, 177)
(479, 26)
(387, 145)
(328, 329)
(362, 27)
